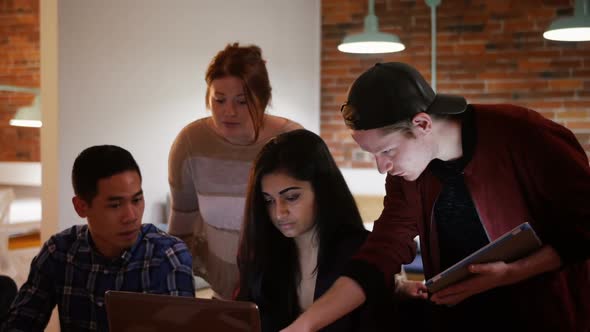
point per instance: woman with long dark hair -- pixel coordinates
(301, 226)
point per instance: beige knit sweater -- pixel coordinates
(208, 177)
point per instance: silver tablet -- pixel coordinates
(518, 243)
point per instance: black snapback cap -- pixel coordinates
(391, 92)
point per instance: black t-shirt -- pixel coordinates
(458, 224)
(460, 233)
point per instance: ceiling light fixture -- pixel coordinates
(371, 40)
(575, 28)
(26, 116)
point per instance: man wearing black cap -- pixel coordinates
(460, 176)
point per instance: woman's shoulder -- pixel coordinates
(196, 137)
(196, 127)
(275, 125)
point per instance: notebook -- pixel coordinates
(138, 312)
(518, 243)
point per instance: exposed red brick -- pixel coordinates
(573, 125)
(548, 114)
(543, 104)
(566, 84)
(19, 65)
(578, 104)
(516, 85)
(573, 115)
(489, 51)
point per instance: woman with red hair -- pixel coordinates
(210, 159)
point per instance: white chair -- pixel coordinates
(6, 198)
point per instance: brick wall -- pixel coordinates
(19, 66)
(489, 51)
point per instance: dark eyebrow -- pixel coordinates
(118, 198)
(282, 191)
(287, 189)
(221, 93)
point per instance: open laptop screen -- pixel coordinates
(138, 312)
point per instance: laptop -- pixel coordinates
(139, 312)
(519, 242)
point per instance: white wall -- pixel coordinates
(20, 173)
(24, 179)
(363, 181)
(131, 73)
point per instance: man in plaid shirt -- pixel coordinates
(114, 251)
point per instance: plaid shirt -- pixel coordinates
(70, 273)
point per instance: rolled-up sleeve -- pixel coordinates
(178, 272)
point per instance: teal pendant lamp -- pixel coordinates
(371, 40)
(26, 116)
(575, 28)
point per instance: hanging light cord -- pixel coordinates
(432, 4)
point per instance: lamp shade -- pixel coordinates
(371, 40)
(575, 28)
(28, 116)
